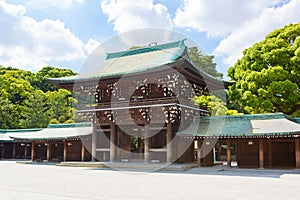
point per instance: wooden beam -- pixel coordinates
(146, 144)
(112, 142)
(32, 151)
(169, 142)
(65, 151)
(228, 143)
(261, 153)
(297, 152)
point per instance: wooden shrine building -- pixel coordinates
(140, 99)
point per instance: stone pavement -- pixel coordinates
(19, 181)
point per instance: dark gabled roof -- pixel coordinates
(257, 125)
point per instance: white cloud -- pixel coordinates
(27, 43)
(219, 18)
(254, 30)
(64, 4)
(237, 25)
(90, 46)
(138, 22)
(128, 15)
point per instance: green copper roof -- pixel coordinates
(73, 125)
(53, 132)
(258, 125)
(147, 49)
(5, 133)
(133, 61)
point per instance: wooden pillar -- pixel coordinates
(261, 153)
(94, 143)
(228, 143)
(14, 151)
(82, 152)
(270, 153)
(140, 144)
(199, 145)
(112, 142)
(3, 150)
(49, 151)
(65, 151)
(32, 151)
(147, 144)
(25, 151)
(169, 142)
(297, 152)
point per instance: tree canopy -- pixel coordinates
(204, 62)
(28, 100)
(268, 75)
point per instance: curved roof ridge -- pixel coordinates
(146, 49)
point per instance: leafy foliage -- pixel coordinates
(204, 62)
(28, 100)
(214, 105)
(268, 75)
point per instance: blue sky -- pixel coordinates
(62, 33)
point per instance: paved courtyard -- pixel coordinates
(24, 181)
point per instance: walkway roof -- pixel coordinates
(245, 126)
(54, 132)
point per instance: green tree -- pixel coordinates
(24, 104)
(213, 104)
(61, 106)
(204, 62)
(7, 114)
(268, 75)
(50, 72)
(36, 111)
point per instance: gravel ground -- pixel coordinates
(24, 181)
